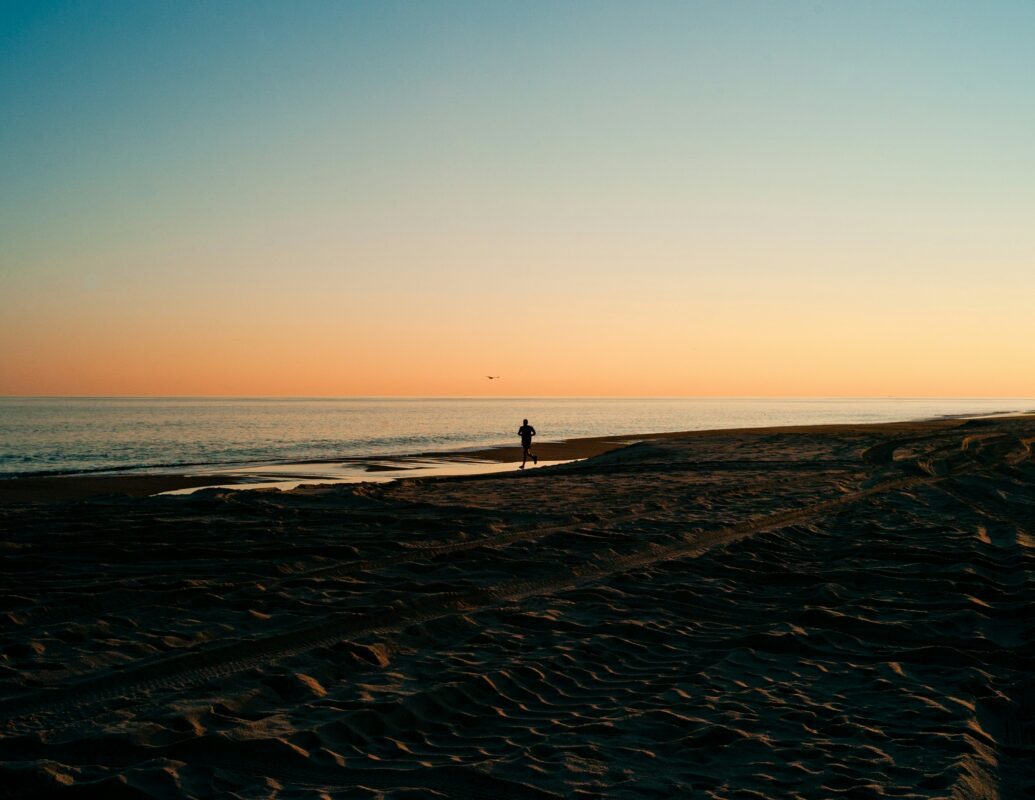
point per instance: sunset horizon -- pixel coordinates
(525, 400)
(708, 199)
(418, 396)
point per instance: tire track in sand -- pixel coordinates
(121, 602)
(198, 667)
(25, 712)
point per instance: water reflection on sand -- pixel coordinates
(290, 476)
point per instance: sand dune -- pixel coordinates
(838, 612)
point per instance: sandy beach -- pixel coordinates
(840, 611)
(62, 488)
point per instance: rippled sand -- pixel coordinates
(841, 612)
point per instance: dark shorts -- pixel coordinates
(525, 444)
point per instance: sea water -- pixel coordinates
(76, 435)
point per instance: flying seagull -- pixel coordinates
(492, 377)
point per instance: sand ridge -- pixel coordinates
(781, 613)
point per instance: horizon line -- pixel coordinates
(501, 397)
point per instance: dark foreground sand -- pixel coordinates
(838, 612)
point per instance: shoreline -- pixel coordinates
(699, 613)
(66, 488)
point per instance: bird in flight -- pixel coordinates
(492, 377)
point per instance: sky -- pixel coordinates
(643, 199)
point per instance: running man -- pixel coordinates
(526, 432)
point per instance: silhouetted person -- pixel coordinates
(526, 432)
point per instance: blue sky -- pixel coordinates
(415, 166)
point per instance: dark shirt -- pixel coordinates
(526, 432)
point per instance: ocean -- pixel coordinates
(41, 436)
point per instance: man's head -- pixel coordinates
(524, 422)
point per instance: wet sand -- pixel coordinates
(61, 488)
(804, 613)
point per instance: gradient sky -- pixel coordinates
(692, 198)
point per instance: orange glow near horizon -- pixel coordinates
(674, 346)
(341, 200)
